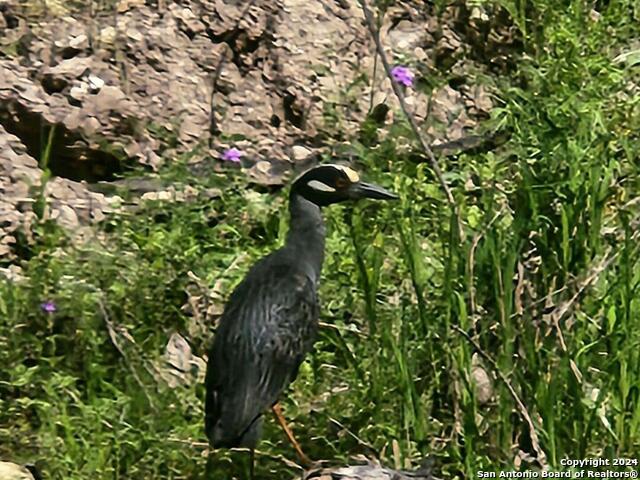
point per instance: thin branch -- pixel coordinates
(581, 283)
(533, 435)
(114, 339)
(204, 446)
(472, 251)
(375, 34)
(373, 78)
(361, 442)
(560, 311)
(189, 442)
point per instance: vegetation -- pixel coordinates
(544, 280)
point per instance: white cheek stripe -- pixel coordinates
(320, 186)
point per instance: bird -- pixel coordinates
(270, 320)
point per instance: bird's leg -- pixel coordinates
(252, 459)
(208, 470)
(277, 410)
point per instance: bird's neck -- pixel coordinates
(306, 233)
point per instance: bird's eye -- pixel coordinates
(341, 183)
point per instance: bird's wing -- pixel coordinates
(268, 326)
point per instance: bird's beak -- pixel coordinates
(369, 190)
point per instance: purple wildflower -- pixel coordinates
(232, 155)
(48, 306)
(403, 75)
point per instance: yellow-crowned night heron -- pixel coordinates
(269, 323)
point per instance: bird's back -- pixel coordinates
(268, 326)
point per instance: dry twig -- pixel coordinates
(564, 307)
(113, 334)
(533, 435)
(375, 34)
(361, 442)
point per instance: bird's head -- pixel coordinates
(329, 183)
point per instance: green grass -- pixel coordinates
(390, 376)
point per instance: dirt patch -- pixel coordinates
(104, 90)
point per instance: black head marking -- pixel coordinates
(330, 183)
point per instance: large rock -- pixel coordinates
(11, 471)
